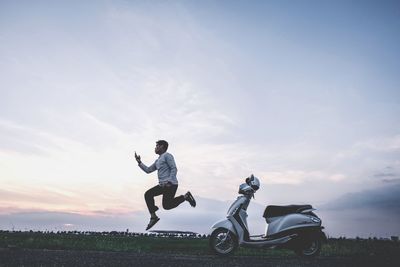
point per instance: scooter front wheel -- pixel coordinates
(223, 242)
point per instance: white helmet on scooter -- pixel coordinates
(245, 189)
(253, 182)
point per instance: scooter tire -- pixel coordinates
(309, 249)
(214, 238)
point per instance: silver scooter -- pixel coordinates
(293, 227)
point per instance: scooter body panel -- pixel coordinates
(226, 224)
(240, 202)
(239, 222)
(265, 242)
(291, 222)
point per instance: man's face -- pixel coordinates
(159, 149)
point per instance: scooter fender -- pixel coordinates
(226, 224)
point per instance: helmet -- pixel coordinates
(245, 189)
(253, 182)
(250, 187)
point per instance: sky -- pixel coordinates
(303, 94)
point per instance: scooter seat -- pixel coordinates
(275, 211)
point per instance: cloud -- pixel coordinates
(385, 175)
(294, 177)
(389, 174)
(55, 221)
(397, 180)
(382, 198)
(378, 147)
(367, 213)
(381, 144)
(19, 138)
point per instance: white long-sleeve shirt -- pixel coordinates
(166, 168)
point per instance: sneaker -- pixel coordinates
(190, 198)
(152, 222)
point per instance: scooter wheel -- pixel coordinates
(223, 242)
(310, 248)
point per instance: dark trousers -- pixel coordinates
(169, 201)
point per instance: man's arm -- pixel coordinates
(171, 163)
(146, 169)
(149, 169)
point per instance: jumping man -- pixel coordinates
(167, 182)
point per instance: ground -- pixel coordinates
(44, 257)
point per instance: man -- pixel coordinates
(167, 183)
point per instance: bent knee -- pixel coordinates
(147, 194)
(167, 206)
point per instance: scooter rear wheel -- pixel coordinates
(310, 248)
(223, 242)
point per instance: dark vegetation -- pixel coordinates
(178, 243)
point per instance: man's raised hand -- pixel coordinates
(137, 157)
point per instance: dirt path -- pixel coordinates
(36, 257)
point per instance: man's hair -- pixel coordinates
(163, 143)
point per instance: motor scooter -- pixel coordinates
(294, 227)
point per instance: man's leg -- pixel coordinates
(149, 197)
(189, 197)
(169, 200)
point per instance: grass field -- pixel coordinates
(123, 242)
